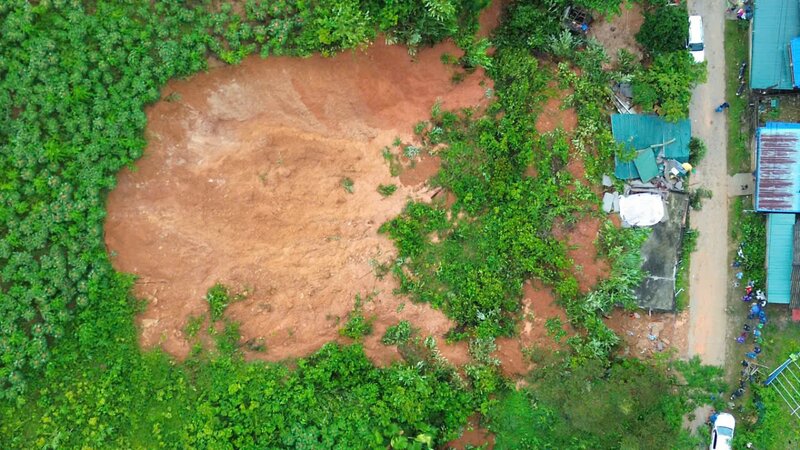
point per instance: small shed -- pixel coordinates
(778, 168)
(780, 256)
(775, 24)
(643, 137)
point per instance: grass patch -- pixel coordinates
(736, 51)
(690, 236)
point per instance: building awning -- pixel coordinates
(780, 249)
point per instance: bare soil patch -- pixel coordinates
(580, 238)
(474, 435)
(241, 183)
(538, 305)
(645, 334)
(490, 17)
(554, 116)
(619, 32)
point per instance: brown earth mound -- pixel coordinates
(242, 183)
(619, 32)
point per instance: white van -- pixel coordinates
(695, 43)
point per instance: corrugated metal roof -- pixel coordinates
(640, 131)
(775, 23)
(778, 168)
(780, 247)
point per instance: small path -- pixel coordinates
(708, 291)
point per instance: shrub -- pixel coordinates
(397, 334)
(357, 325)
(348, 185)
(697, 196)
(387, 189)
(218, 298)
(667, 84)
(697, 151)
(664, 30)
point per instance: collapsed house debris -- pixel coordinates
(653, 160)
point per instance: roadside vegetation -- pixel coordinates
(736, 52)
(763, 417)
(74, 85)
(665, 84)
(621, 405)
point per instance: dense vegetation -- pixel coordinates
(665, 86)
(665, 29)
(627, 404)
(73, 83)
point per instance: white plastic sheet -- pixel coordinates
(641, 210)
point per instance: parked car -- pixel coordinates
(695, 44)
(722, 433)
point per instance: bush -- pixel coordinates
(387, 189)
(664, 30)
(397, 334)
(697, 196)
(667, 84)
(357, 325)
(218, 298)
(348, 185)
(697, 151)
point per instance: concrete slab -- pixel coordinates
(741, 184)
(660, 254)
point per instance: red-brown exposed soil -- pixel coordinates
(553, 116)
(241, 183)
(643, 334)
(619, 32)
(420, 171)
(473, 435)
(580, 238)
(490, 17)
(538, 305)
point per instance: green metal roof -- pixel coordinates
(640, 131)
(780, 247)
(646, 165)
(775, 23)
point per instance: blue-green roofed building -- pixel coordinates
(780, 254)
(775, 24)
(638, 133)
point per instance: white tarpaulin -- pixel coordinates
(641, 210)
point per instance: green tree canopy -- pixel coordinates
(664, 30)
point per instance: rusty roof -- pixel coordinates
(778, 168)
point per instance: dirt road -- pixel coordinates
(708, 320)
